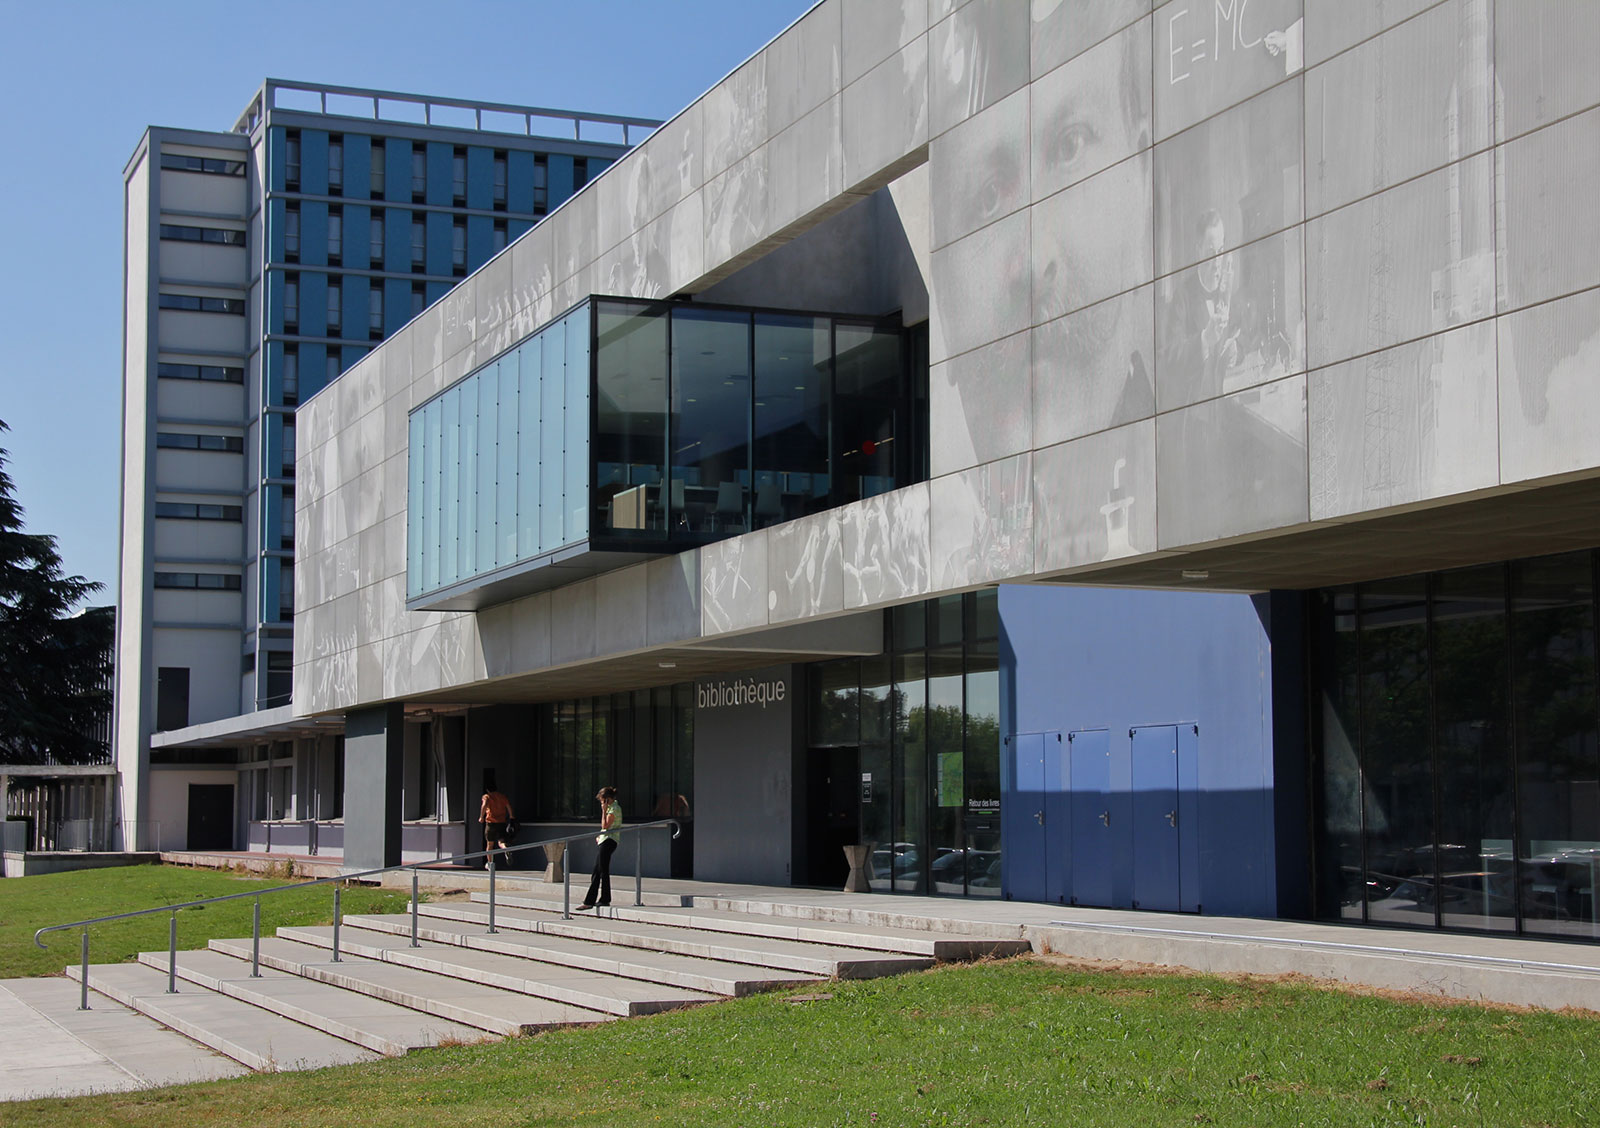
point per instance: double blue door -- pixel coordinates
(1089, 824)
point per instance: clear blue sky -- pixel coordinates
(80, 81)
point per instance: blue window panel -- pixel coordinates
(467, 482)
(560, 178)
(416, 455)
(441, 162)
(506, 447)
(277, 158)
(480, 177)
(439, 237)
(396, 173)
(358, 166)
(313, 304)
(396, 305)
(480, 240)
(313, 370)
(576, 477)
(275, 222)
(450, 486)
(519, 181)
(314, 162)
(433, 475)
(552, 437)
(530, 361)
(397, 244)
(358, 237)
(487, 504)
(313, 234)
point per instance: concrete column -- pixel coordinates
(374, 759)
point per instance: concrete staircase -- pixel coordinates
(461, 983)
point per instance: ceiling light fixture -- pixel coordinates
(1196, 574)
(667, 665)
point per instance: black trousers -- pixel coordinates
(601, 880)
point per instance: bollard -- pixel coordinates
(566, 892)
(414, 943)
(172, 955)
(638, 868)
(336, 916)
(83, 983)
(255, 941)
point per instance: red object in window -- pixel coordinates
(868, 446)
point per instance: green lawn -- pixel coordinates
(30, 903)
(1017, 1042)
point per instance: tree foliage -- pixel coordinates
(54, 665)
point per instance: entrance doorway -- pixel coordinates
(833, 812)
(210, 816)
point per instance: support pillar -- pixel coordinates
(374, 762)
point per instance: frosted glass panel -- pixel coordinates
(552, 438)
(577, 429)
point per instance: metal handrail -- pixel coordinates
(414, 867)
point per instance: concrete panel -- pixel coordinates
(673, 595)
(1412, 260)
(805, 568)
(1549, 397)
(734, 117)
(1093, 112)
(733, 584)
(805, 164)
(620, 610)
(1063, 29)
(572, 623)
(1414, 99)
(531, 620)
(1544, 52)
(979, 170)
(977, 56)
(873, 30)
(1414, 422)
(1231, 322)
(1333, 26)
(886, 547)
(805, 65)
(533, 273)
(1233, 465)
(1092, 241)
(736, 206)
(1548, 225)
(1095, 498)
(1241, 169)
(374, 751)
(1094, 369)
(886, 114)
(981, 523)
(1212, 56)
(980, 405)
(980, 288)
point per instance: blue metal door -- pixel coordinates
(1057, 820)
(1024, 817)
(1154, 756)
(1092, 855)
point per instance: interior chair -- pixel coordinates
(729, 513)
(769, 504)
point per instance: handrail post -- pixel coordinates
(638, 868)
(414, 943)
(566, 890)
(336, 916)
(255, 941)
(491, 895)
(172, 954)
(83, 981)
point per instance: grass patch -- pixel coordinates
(1024, 1041)
(30, 903)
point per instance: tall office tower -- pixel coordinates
(261, 262)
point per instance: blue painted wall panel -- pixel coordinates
(519, 182)
(480, 177)
(313, 369)
(357, 301)
(275, 212)
(276, 158)
(397, 239)
(313, 303)
(440, 158)
(358, 236)
(313, 234)
(1085, 658)
(275, 301)
(480, 240)
(357, 166)
(397, 170)
(439, 224)
(560, 179)
(396, 304)
(436, 290)
(515, 228)
(314, 162)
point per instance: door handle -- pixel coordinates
(1038, 817)
(1105, 818)
(1172, 818)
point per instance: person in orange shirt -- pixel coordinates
(497, 817)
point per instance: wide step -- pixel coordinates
(378, 1025)
(252, 1037)
(713, 977)
(622, 997)
(819, 960)
(417, 986)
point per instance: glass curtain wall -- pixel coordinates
(641, 743)
(925, 718)
(1458, 765)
